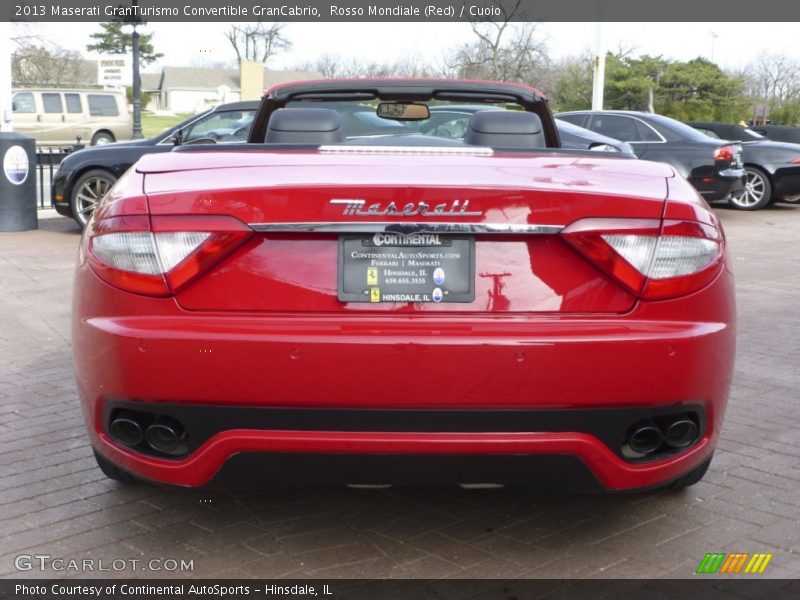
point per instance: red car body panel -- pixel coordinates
(264, 326)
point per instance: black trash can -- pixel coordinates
(18, 183)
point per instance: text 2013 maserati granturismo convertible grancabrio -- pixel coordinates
(393, 307)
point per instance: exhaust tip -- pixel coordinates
(646, 439)
(681, 434)
(166, 438)
(126, 431)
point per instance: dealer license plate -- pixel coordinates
(415, 267)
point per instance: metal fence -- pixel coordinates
(47, 160)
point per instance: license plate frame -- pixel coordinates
(406, 268)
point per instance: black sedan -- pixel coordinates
(451, 122)
(779, 133)
(85, 176)
(773, 168)
(715, 168)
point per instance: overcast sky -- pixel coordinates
(734, 44)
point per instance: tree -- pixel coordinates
(111, 40)
(36, 63)
(774, 79)
(502, 51)
(570, 84)
(694, 90)
(698, 90)
(257, 41)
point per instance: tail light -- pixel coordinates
(724, 153)
(653, 260)
(796, 160)
(160, 255)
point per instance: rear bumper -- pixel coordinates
(785, 180)
(721, 185)
(647, 360)
(58, 194)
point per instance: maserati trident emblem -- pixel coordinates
(359, 208)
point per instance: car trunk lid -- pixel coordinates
(505, 211)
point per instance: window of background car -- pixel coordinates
(575, 119)
(220, 124)
(646, 133)
(754, 134)
(73, 103)
(52, 103)
(615, 126)
(708, 132)
(102, 105)
(23, 103)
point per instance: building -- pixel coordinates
(190, 90)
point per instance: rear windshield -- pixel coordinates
(447, 121)
(102, 105)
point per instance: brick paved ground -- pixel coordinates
(53, 499)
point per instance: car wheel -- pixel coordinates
(757, 191)
(101, 138)
(87, 192)
(112, 471)
(690, 478)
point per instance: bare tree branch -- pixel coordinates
(257, 41)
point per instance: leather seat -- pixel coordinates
(505, 129)
(314, 126)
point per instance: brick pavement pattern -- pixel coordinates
(55, 501)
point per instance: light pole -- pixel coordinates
(131, 28)
(714, 36)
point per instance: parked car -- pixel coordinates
(714, 168)
(773, 168)
(452, 121)
(60, 117)
(403, 308)
(85, 176)
(779, 133)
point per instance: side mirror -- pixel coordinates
(177, 137)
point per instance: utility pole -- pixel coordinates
(599, 69)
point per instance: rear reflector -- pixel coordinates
(652, 260)
(159, 258)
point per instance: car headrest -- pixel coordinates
(505, 128)
(315, 126)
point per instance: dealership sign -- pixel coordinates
(114, 70)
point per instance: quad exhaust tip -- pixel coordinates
(646, 440)
(143, 432)
(681, 434)
(660, 435)
(126, 431)
(165, 437)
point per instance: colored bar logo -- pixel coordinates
(734, 563)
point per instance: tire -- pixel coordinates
(757, 192)
(102, 138)
(88, 190)
(692, 477)
(112, 471)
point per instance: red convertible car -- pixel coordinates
(390, 307)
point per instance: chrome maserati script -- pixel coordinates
(359, 208)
